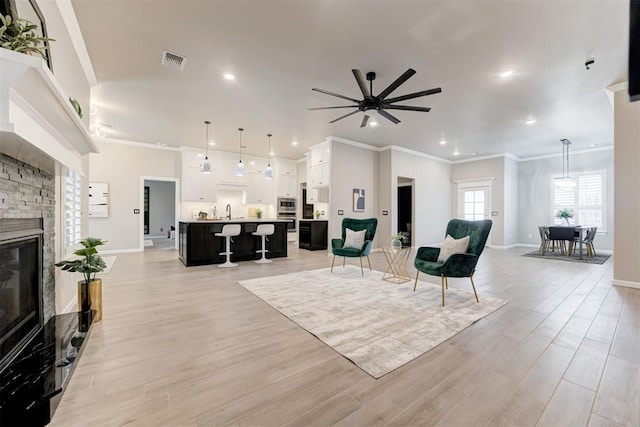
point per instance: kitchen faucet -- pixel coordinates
(228, 211)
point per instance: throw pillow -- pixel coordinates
(354, 239)
(452, 246)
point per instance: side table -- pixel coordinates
(397, 260)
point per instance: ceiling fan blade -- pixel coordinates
(393, 86)
(365, 119)
(326, 92)
(362, 83)
(407, 107)
(345, 116)
(388, 116)
(329, 108)
(413, 95)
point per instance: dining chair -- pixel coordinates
(588, 235)
(544, 240)
(561, 235)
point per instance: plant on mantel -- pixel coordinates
(19, 35)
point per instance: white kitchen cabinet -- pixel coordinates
(317, 195)
(287, 185)
(320, 175)
(227, 169)
(320, 154)
(198, 187)
(259, 189)
(285, 167)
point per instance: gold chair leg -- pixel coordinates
(361, 269)
(344, 259)
(416, 284)
(442, 280)
(369, 261)
(446, 282)
(334, 260)
(474, 287)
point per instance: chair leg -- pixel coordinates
(446, 282)
(474, 287)
(344, 259)
(361, 269)
(442, 279)
(416, 284)
(369, 261)
(334, 260)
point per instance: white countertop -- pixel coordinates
(234, 221)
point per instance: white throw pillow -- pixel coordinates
(452, 246)
(354, 239)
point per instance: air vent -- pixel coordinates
(173, 60)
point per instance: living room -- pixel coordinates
(457, 143)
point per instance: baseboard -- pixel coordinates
(155, 237)
(120, 251)
(510, 246)
(626, 284)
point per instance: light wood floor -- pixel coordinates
(189, 346)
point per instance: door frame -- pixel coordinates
(176, 202)
(479, 183)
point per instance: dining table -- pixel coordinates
(578, 231)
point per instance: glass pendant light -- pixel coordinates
(565, 180)
(206, 164)
(268, 172)
(240, 165)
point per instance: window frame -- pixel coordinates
(576, 196)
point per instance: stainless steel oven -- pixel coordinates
(287, 210)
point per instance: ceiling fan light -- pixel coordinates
(268, 172)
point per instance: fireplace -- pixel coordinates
(21, 314)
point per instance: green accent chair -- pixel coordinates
(457, 265)
(369, 224)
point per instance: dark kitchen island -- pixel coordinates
(198, 244)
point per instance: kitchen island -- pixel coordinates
(198, 244)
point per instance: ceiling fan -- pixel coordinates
(379, 103)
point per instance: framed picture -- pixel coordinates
(99, 200)
(29, 10)
(358, 200)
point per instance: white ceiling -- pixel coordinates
(279, 50)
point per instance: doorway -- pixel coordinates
(405, 210)
(474, 202)
(160, 211)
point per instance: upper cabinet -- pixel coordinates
(320, 154)
(227, 166)
(196, 186)
(285, 167)
(319, 172)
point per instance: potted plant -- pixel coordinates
(259, 213)
(564, 214)
(89, 263)
(318, 213)
(19, 35)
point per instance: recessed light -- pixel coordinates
(200, 155)
(252, 162)
(229, 76)
(212, 143)
(272, 153)
(530, 122)
(294, 143)
(456, 153)
(506, 74)
(443, 142)
(373, 124)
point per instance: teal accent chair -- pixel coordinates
(457, 265)
(369, 224)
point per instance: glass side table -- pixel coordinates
(397, 258)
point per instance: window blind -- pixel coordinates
(72, 208)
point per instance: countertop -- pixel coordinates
(233, 221)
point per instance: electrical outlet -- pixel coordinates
(161, 229)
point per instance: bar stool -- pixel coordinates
(264, 230)
(228, 231)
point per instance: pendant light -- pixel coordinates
(565, 180)
(268, 172)
(240, 165)
(205, 168)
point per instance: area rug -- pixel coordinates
(598, 259)
(378, 325)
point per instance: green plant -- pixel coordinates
(19, 35)
(258, 211)
(398, 236)
(89, 262)
(564, 214)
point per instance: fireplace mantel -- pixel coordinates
(38, 125)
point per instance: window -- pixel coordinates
(72, 208)
(586, 200)
(473, 205)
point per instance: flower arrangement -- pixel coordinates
(398, 236)
(564, 214)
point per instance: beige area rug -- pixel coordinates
(378, 325)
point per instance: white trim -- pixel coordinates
(625, 283)
(414, 153)
(509, 246)
(475, 182)
(71, 22)
(140, 144)
(120, 251)
(492, 156)
(350, 142)
(177, 205)
(585, 151)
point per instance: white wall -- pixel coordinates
(432, 195)
(510, 216)
(162, 210)
(122, 166)
(535, 195)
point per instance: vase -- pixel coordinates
(396, 243)
(567, 219)
(90, 298)
(259, 215)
